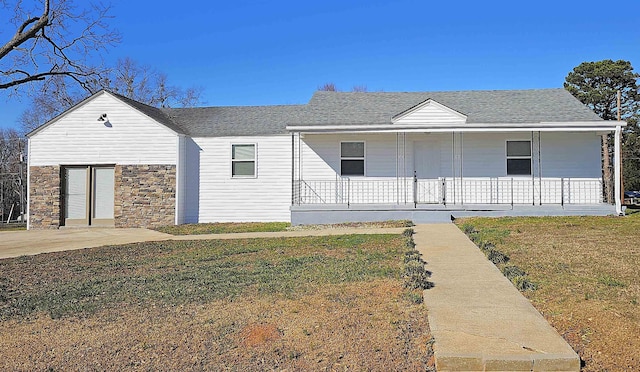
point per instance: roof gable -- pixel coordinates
(153, 113)
(428, 113)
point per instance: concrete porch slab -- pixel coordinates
(479, 321)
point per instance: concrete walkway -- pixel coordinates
(479, 321)
(20, 243)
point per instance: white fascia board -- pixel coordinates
(606, 126)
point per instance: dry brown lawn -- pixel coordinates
(331, 303)
(587, 273)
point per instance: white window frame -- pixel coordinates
(363, 158)
(516, 157)
(255, 160)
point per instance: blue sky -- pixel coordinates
(279, 52)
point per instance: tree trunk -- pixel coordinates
(606, 170)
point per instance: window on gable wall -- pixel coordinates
(352, 158)
(518, 158)
(243, 160)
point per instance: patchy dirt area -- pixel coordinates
(329, 303)
(586, 273)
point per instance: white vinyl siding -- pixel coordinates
(431, 113)
(483, 154)
(77, 137)
(321, 155)
(226, 199)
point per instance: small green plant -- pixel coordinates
(611, 282)
(414, 297)
(512, 271)
(416, 277)
(523, 284)
(497, 257)
(516, 275)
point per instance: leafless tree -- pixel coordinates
(12, 175)
(328, 87)
(128, 78)
(331, 87)
(53, 38)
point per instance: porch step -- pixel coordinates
(329, 216)
(479, 321)
(433, 213)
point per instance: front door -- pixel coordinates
(426, 160)
(88, 196)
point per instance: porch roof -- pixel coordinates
(541, 109)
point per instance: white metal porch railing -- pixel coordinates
(449, 190)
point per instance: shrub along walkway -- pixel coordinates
(477, 317)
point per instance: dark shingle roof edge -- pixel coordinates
(224, 121)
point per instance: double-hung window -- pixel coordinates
(243, 160)
(352, 158)
(518, 158)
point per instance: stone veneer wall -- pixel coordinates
(44, 197)
(145, 195)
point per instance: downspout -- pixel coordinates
(616, 165)
(179, 154)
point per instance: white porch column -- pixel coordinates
(616, 167)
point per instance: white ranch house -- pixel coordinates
(426, 156)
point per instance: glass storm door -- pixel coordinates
(89, 195)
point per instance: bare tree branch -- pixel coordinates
(59, 42)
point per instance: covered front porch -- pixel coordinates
(381, 155)
(438, 175)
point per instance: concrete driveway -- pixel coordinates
(19, 243)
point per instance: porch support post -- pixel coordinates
(293, 168)
(397, 169)
(404, 165)
(616, 167)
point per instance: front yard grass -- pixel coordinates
(223, 228)
(12, 226)
(586, 273)
(244, 227)
(313, 303)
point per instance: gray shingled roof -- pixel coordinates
(489, 106)
(235, 120)
(154, 113)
